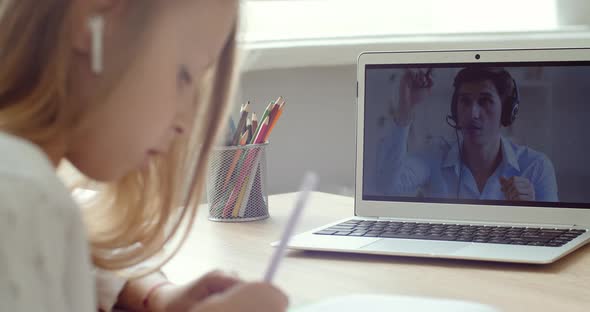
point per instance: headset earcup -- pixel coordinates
(514, 113)
(511, 107)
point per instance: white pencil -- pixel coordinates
(310, 182)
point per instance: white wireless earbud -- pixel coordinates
(96, 25)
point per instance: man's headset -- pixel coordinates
(510, 105)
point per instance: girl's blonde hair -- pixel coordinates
(133, 218)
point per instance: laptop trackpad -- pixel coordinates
(414, 246)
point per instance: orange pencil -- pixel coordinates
(273, 113)
(275, 109)
(274, 121)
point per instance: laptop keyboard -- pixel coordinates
(454, 232)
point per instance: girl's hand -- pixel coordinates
(186, 297)
(246, 297)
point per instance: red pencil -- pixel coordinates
(262, 133)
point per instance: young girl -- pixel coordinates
(131, 93)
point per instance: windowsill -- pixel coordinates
(318, 52)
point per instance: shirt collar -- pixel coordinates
(508, 156)
(452, 158)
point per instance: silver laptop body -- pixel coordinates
(425, 205)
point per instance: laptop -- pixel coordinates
(479, 155)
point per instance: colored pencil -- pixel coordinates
(240, 208)
(249, 129)
(242, 123)
(266, 113)
(254, 123)
(262, 133)
(234, 162)
(274, 122)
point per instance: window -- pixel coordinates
(327, 19)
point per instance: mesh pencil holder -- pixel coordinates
(236, 183)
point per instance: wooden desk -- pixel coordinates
(309, 276)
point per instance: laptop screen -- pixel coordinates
(513, 134)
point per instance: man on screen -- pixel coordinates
(481, 164)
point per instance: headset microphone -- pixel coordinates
(453, 123)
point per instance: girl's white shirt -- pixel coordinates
(44, 255)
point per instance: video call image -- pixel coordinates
(504, 134)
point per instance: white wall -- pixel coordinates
(573, 12)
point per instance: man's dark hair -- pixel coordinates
(502, 80)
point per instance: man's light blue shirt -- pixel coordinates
(437, 171)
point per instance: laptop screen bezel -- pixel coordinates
(459, 212)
